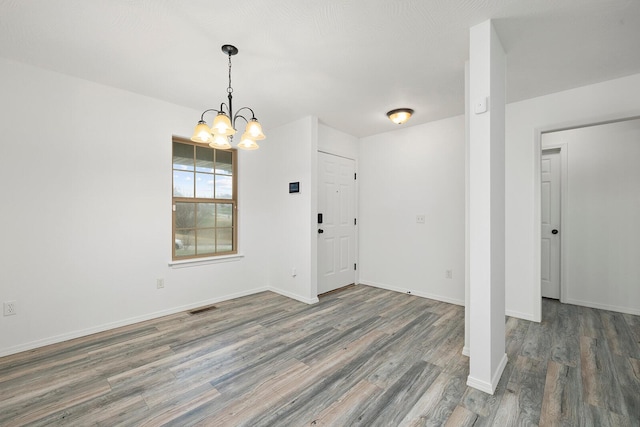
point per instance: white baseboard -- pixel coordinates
(591, 304)
(519, 315)
(465, 351)
(130, 321)
(412, 292)
(294, 296)
(495, 379)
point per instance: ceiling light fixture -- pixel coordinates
(220, 134)
(400, 115)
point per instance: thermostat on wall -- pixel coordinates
(294, 187)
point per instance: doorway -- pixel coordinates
(336, 222)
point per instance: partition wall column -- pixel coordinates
(486, 120)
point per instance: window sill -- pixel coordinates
(205, 261)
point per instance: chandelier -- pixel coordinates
(220, 134)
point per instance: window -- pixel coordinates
(204, 200)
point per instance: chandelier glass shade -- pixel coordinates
(220, 134)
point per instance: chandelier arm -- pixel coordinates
(253, 115)
(222, 106)
(239, 116)
(206, 111)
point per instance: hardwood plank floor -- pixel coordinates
(361, 357)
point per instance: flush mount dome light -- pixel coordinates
(400, 115)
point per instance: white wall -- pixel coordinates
(86, 196)
(612, 99)
(291, 157)
(414, 171)
(333, 141)
(601, 232)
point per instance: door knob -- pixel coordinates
(320, 230)
(554, 231)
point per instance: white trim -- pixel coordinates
(130, 321)
(520, 315)
(466, 351)
(333, 153)
(479, 385)
(413, 292)
(608, 307)
(537, 229)
(205, 261)
(293, 296)
(150, 316)
(485, 386)
(564, 197)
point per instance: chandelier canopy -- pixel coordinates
(220, 134)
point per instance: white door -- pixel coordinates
(550, 198)
(336, 233)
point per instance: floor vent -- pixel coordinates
(202, 309)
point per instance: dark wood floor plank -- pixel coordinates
(390, 407)
(565, 336)
(629, 380)
(619, 336)
(515, 333)
(561, 404)
(537, 341)
(345, 407)
(528, 381)
(461, 417)
(361, 356)
(261, 396)
(451, 394)
(601, 385)
(99, 411)
(634, 326)
(590, 323)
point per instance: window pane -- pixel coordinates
(182, 184)
(204, 185)
(184, 243)
(224, 187)
(223, 162)
(206, 215)
(182, 156)
(225, 215)
(225, 239)
(206, 241)
(185, 216)
(201, 175)
(204, 159)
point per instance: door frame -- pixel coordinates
(537, 132)
(356, 196)
(562, 149)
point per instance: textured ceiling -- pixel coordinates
(347, 62)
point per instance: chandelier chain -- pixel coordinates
(230, 89)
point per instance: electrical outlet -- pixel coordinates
(160, 283)
(420, 219)
(10, 308)
(448, 274)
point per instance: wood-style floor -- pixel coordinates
(363, 356)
